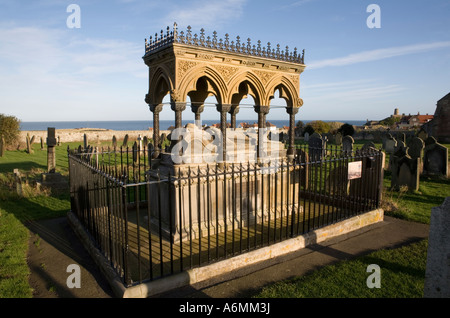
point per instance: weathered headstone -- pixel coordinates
(347, 144)
(422, 135)
(435, 160)
(42, 143)
(135, 151)
(51, 155)
(415, 150)
(404, 172)
(338, 139)
(430, 140)
(315, 147)
(139, 140)
(302, 157)
(415, 147)
(114, 141)
(390, 145)
(368, 145)
(85, 141)
(59, 141)
(29, 149)
(437, 272)
(306, 136)
(125, 141)
(150, 150)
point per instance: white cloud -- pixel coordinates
(43, 69)
(379, 54)
(205, 13)
(296, 4)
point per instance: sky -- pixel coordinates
(54, 70)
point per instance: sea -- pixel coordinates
(146, 124)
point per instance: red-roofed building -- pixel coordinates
(414, 120)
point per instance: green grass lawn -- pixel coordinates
(402, 276)
(404, 267)
(16, 211)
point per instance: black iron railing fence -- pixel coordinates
(150, 220)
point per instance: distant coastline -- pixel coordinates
(146, 124)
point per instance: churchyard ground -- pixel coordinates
(37, 204)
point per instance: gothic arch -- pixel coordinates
(163, 84)
(245, 83)
(215, 82)
(287, 91)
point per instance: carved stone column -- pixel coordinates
(156, 109)
(234, 110)
(197, 110)
(262, 112)
(291, 150)
(223, 109)
(178, 108)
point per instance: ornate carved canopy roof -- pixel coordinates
(198, 66)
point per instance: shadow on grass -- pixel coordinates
(22, 165)
(45, 218)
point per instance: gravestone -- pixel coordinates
(306, 136)
(347, 144)
(415, 150)
(139, 140)
(338, 139)
(404, 172)
(430, 140)
(422, 135)
(135, 151)
(125, 141)
(400, 149)
(85, 141)
(51, 155)
(437, 272)
(42, 143)
(302, 157)
(114, 141)
(435, 161)
(390, 144)
(29, 142)
(315, 147)
(415, 147)
(52, 179)
(368, 146)
(150, 150)
(163, 141)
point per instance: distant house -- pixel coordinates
(271, 126)
(412, 121)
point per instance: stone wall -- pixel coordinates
(93, 135)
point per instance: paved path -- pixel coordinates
(54, 246)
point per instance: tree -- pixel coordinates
(347, 130)
(9, 129)
(299, 128)
(309, 130)
(318, 126)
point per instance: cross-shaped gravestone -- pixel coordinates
(51, 155)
